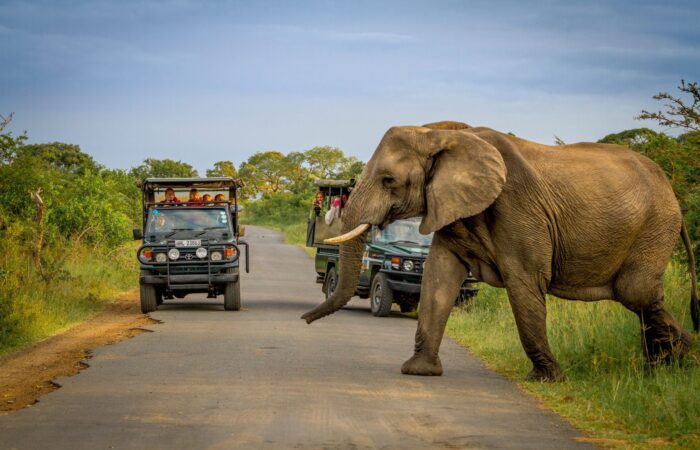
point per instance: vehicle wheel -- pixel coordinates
(381, 297)
(232, 295)
(331, 282)
(149, 302)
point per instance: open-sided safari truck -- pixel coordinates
(190, 246)
(392, 263)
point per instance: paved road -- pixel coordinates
(262, 378)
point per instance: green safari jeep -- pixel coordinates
(190, 246)
(392, 263)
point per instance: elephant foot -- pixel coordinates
(662, 350)
(420, 365)
(546, 374)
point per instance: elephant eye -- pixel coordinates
(388, 181)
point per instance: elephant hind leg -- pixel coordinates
(663, 339)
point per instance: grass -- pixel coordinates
(609, 391)
(32, 309)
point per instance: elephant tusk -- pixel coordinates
(347, 236)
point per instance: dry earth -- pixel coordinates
(27, 374)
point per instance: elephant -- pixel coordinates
(582, 222)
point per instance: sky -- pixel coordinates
(203, 81)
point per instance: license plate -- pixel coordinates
(188, 243)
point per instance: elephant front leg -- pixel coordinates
(527, 300)
(442, 279)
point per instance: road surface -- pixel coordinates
(262, 378)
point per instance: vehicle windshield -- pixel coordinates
(174, 220)
(403, 232)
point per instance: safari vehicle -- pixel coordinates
(392, 263)
(190, 247)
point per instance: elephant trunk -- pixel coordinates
(350, 266)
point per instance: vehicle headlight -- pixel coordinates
(146, 254)
(173, 254)
(216, 256)
(408, 265)
(201, 253)
(161, 257)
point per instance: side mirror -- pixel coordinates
(241, 230)
(137, 234)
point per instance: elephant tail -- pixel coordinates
(694, 303)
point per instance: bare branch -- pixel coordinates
(5, 121)
(38, 219)
(678, 114)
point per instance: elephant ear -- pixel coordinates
(466, 177)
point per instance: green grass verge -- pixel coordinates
(609, 391)
(32, 310)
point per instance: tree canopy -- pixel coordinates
(223, 169)
(271, 172)
(163, 168)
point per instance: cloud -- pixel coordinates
(357, 37)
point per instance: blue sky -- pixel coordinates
(203, 81)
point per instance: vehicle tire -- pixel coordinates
(382, 296)
(331, 282)
(232, 295)
(149, 302)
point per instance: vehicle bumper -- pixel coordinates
(404, 286)
(185, 281)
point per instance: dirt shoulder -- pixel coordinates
(27, 374)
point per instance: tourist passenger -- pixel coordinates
(195, 197)
(318, 203)
(170, 196)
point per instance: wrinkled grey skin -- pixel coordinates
(582, 222)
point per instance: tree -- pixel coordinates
(223, 169)
(297, 174)
(264, 172)
(350, 167)
(163, 168)
(323, 161)
(678, 113)
(65, 157)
